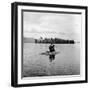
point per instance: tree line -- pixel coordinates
(54, 40)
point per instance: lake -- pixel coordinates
(66, 62)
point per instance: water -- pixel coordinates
(66, 62)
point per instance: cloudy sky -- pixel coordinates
(66, 26)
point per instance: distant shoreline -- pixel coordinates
(48, 40)
(50, 43)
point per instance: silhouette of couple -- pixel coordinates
(52, 49)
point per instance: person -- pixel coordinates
(52, 47)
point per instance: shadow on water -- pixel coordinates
(51, 57)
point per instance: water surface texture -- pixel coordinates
(66, 62)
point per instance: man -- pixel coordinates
(52, 47)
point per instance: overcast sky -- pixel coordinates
(66, 26)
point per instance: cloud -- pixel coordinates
(60, 25)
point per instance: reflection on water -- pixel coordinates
(51, 57)
(38, 63)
